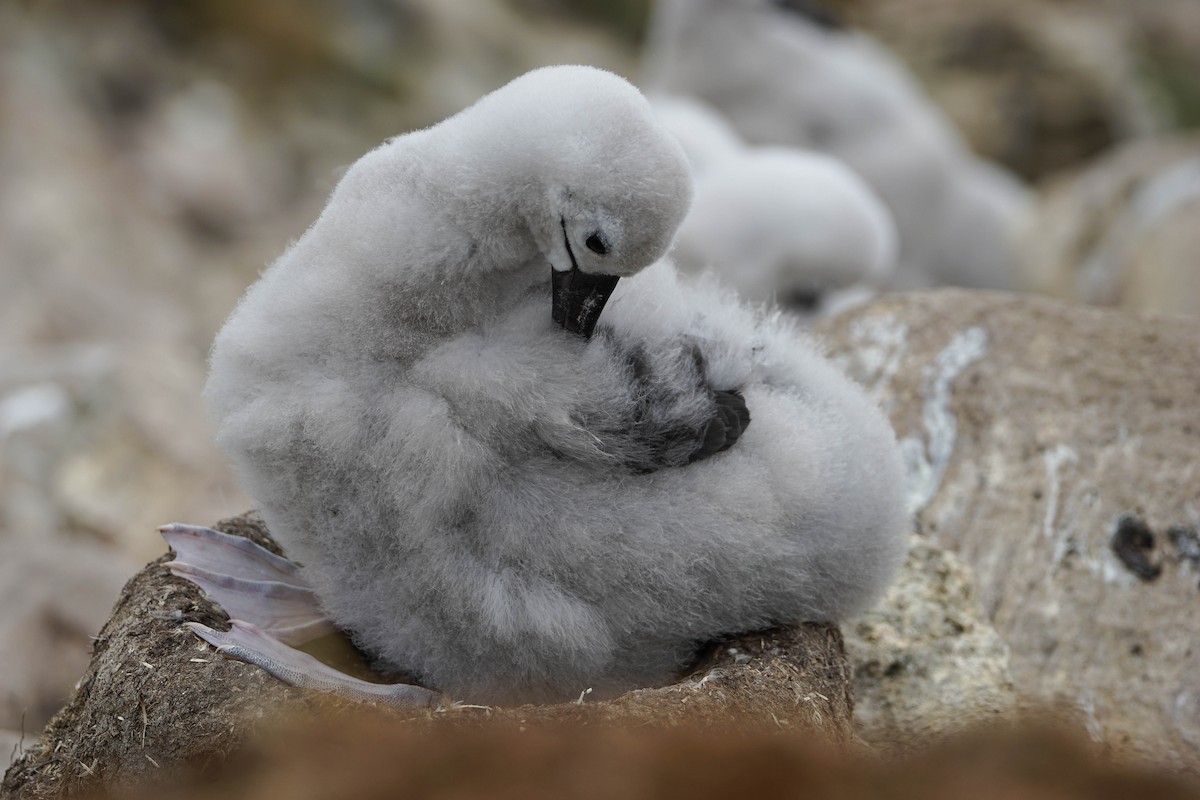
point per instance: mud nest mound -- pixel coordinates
(156, 702)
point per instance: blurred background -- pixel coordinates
(155, 156)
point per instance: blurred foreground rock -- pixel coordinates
(1123, 232)
(156, 700)
(1053, 447)
(368, 758)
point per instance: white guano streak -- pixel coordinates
(927, 457)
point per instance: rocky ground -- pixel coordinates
(154, 157)
(1052, 447)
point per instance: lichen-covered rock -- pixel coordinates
(156, 701)
(1054, 448)
(927, 663)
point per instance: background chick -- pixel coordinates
(784, 76)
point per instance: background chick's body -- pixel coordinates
(777, 223)
(502, 508)
(784, 77)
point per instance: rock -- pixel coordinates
(155, 700)
(1053, 448)
(1040, 86)
(1123, 232)
(54, 596)
(92, 444)
(927, 663)
(33, 420)
(146, 453)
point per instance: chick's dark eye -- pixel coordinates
(596, 244)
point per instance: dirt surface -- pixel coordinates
(156, 702)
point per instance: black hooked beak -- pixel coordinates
(579, 297)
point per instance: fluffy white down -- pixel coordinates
(775, 222)
(707, 139)
(465, 482)
(780, 79)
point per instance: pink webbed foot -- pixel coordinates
(250, 582)
(272, 607)
(245, 642)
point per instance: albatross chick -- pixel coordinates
(490, 487)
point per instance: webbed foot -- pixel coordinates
(272, 607)
(248, 581)
(245, 642)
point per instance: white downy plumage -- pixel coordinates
(504, 508)
(783, 78)
(706, 137)
(777, 224)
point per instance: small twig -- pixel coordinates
(151, 760)
(142, 706)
